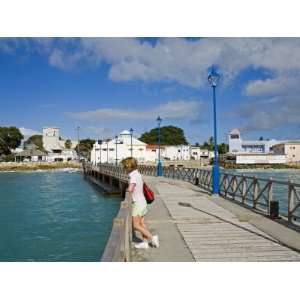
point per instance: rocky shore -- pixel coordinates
(36, 166)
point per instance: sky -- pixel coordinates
(106, 85)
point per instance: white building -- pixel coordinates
(290, 149)
(253, 152)
(238, 145)
(178, 152)
(152, 153)
(115, 150)
(56, 146)
(197, 153)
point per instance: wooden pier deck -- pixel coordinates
(194, 226)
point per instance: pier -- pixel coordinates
(193, 225)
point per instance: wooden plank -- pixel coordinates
(228, 243)
(282, 254)
(241, 249)
(251, 259)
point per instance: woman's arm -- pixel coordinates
(131, 187)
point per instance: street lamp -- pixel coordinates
(213, 80)
(131, 132)
(116, 137)
(159, 166)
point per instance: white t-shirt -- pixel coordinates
(138, 193)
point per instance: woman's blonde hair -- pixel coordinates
(130, 164)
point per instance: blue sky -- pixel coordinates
(105, 85)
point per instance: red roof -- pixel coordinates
(154, 147)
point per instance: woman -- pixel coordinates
(139, 205)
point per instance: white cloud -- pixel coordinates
(270, 113)
(27, 132)
(171, 59)
(186, 62)
(273, 86)
(100, 132)
(172, 110)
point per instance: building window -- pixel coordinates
(234, 136)
(111, 149)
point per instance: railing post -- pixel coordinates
(225, 184)
(270, 194)
(244, 189)
(234, 186)
(290, 200)
(255, 191)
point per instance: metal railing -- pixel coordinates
(259, 193)
(107, 169)
(252, 191)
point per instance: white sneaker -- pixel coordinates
(142, 245)
(155, 241)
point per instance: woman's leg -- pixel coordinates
(144, 225)
(136, 221)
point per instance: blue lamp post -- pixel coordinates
(159, 165)
(213, 80)
(131, 132)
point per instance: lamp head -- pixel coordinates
(131, 130)
(213, 77)
(159, 119)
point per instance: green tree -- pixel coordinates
(10, 138)
(85, 147)
(209, 145)
(36, 140)
(68, 144)
(169, 135)
(223, 148)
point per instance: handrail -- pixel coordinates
(119, 243)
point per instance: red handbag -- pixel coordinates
(148, 193)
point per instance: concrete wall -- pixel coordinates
(292, 152)
(260, 159)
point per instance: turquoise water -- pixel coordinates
(53, 216)
(280, 192)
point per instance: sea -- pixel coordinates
(54, 216)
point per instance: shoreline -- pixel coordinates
(11, 167)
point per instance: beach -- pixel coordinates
(37, 166)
